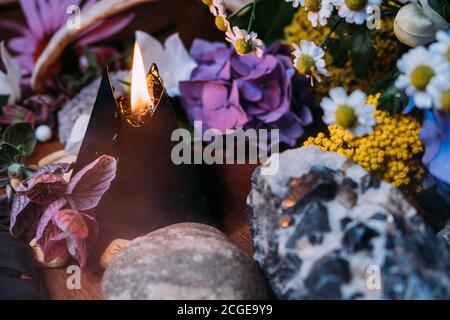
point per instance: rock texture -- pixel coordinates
(324, 228)
(446, 233)
(83, 103)
(183, 261)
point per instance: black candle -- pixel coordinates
(149, 191)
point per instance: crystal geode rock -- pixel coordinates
(83, 103)
(324, 228)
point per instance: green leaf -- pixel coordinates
(3, 100)
(362, 52)
(442, 7)
(91, 58)
(391, 100)
(22, 136)
(9, 154)
(338, 48)
(271, 19)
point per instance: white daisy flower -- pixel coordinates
(442, 45)
(439, 89)
(221, 19)
(213, 5)
(309, 60)
(295, 3)
(355, 11)
(418, 66)
(318, 11)
(245, 42)
(349, 111)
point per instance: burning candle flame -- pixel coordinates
(140, 97)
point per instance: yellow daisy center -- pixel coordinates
(345, 116)
(356, 5)
(448, 53)
(208, 2)
(304, 63)
(243, 46)
(445, 100)
(313, 5)
(421, 76)
(221, 23)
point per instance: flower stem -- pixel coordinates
(327, 37)
(252, 17)
(231, 16)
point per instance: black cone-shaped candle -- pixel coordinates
(149, 191)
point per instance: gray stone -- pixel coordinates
(83, 103)
(323, 228)
(183, 261)
(446, 233)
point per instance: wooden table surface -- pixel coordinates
(226, 186)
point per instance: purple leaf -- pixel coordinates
(48, 215)
(88, 186)
(78, 228)
(45, 188)
(72, 223)
(58, 169)
(19, 204)
(53, 243)
(77, 249)
(23, 223)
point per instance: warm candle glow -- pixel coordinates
(140, 97)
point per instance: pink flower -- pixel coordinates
(15, 114)
(53, 210)
(36, 109)
(44, 18)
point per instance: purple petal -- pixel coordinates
(17, 27)
(429, 135)
(45, 18)
(251, 91)
(61, 11)
(305, 117)
(191, 95)
(88, 3)
(215, 96)
(22, 45)
(230, 116)
(202, 50)
(105, 29)
(26, 62)
(440, 166)
(34, 21)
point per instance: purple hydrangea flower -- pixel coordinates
(435, 135)
(229, 91)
